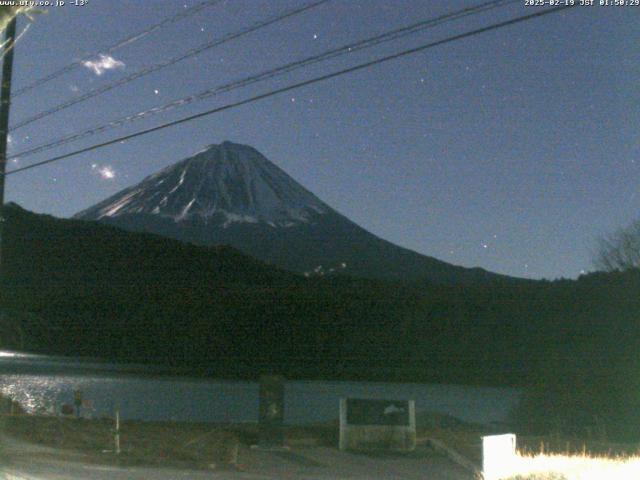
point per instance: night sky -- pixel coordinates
(513, 150)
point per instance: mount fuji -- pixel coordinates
(231, 194)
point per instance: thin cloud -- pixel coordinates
(106, 172)
(102, 64)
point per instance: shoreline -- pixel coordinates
(25, 363)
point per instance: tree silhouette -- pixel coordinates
(620, 250)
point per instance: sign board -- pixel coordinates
(377, 412)
(271, 415)
(498, 456)
(376, 424)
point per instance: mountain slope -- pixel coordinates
(231, 194)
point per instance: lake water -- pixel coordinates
(43, 384)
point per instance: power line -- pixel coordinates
(126, 41)
(268, 74)
(295, 86)
(158, 66)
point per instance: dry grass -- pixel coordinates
(555, 457)
(572, 446)
(176, 444)
(573, 467)
(149, 443)
(551, 457)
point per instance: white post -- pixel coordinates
(117, 432)
(342, 445)
(498, 456)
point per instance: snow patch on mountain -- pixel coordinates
(227, 183)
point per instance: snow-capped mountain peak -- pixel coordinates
(230, 194)
(224, 184)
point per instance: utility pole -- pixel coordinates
(5, 103)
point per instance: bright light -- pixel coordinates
(498, 456)
(9, 354)
(574, 467)
(501, 462)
